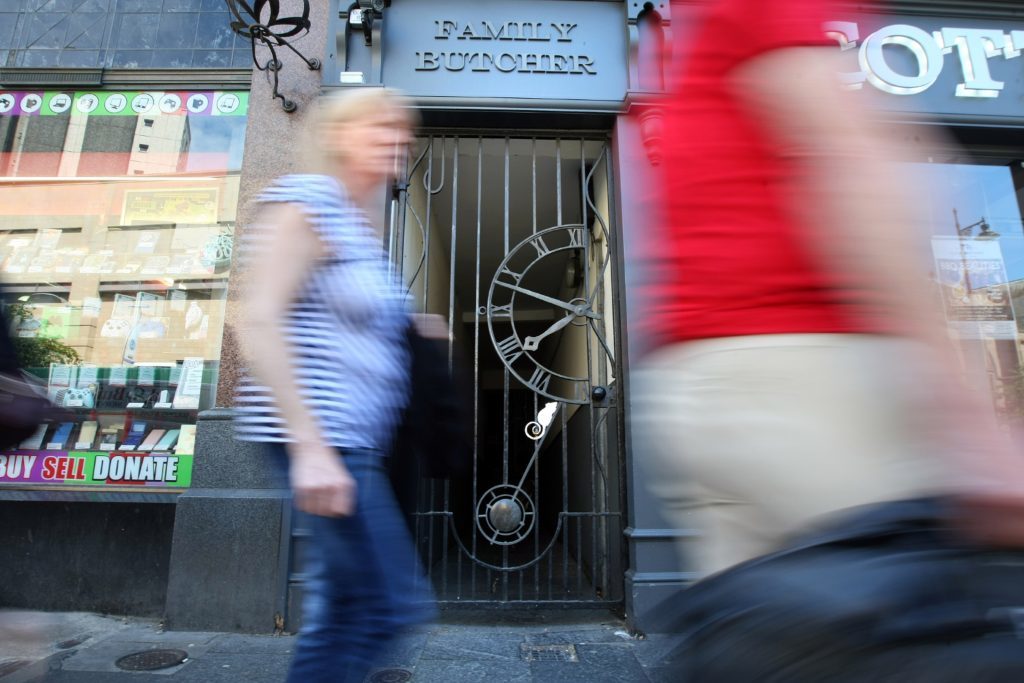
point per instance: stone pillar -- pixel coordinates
(229, 556)
(229, 553)
(656, 573)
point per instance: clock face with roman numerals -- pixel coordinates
(529, 310)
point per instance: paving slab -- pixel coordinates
(154, 634)
(236, 643)
(406, 651)
(453, 671)
(615, 658)
(551, 672)
(31, 643)
(578, 637)
(663, 675)
(98, 677)
(238, 668)
(656, 650)
(492, 646)
(475, 645)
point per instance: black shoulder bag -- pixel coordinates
(435, 437)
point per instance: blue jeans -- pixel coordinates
(364, 582)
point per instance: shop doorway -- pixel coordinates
(511, 240)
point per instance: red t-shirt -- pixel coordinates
(729, 259)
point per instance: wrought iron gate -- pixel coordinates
(510, 239)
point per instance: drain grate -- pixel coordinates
(151, 660)
(549, 653)
(390, 676)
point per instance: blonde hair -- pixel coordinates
(342, 107)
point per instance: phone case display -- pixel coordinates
(151, 440)
(122, 279)
(167, 441)
(109, 438)
(125, 429)
(186, 439)
(126, 426)
(59, 440)
(134, 437)
(86, 436)
(35, 442)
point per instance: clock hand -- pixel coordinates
(531, 343)
(575, 310)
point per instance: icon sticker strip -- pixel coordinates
(108, 103)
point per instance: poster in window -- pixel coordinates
(975, 293)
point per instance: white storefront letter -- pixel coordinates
(920, 43)
(975, 46)
(847, 33)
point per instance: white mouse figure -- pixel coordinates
(537, 429)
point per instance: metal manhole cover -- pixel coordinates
(391, 676)
(151, 660)
(549, 653)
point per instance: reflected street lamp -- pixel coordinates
(986, 233)
(967, 231)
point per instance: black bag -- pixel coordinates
(890, 594)
(435, 437)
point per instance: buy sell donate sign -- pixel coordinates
(96, 468)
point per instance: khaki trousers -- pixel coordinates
(751, 439)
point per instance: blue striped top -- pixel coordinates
(346, 329)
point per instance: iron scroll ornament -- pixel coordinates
(261, 22)
(517, 352)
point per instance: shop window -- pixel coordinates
(115, 249)
(977, 219)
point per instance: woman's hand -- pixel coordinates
(320, 481)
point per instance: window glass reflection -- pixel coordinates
(117, 215)
(977, 225)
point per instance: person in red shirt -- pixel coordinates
(796, 366)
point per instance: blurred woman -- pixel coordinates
(324, 331)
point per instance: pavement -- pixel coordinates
(581, 646)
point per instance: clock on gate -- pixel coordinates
(511, 287)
